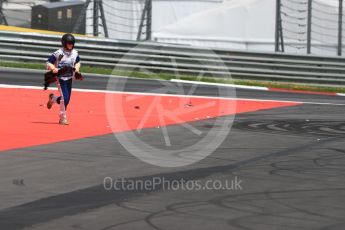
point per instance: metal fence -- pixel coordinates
(310, 26)
(158, 57)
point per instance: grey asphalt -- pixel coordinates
(99, 82)
(290, 162)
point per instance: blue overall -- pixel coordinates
(66, 90)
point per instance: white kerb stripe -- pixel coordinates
(220, 84)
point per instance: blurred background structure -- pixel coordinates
(292, 26)
(310, 26)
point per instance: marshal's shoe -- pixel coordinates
(63, 121)
(50, 101)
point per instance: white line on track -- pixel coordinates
(234, 86)
(167, 95)
(220, 84)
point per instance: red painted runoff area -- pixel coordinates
(25, 120)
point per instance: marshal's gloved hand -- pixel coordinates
(78, 76)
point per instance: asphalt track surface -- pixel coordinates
(289, 162)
